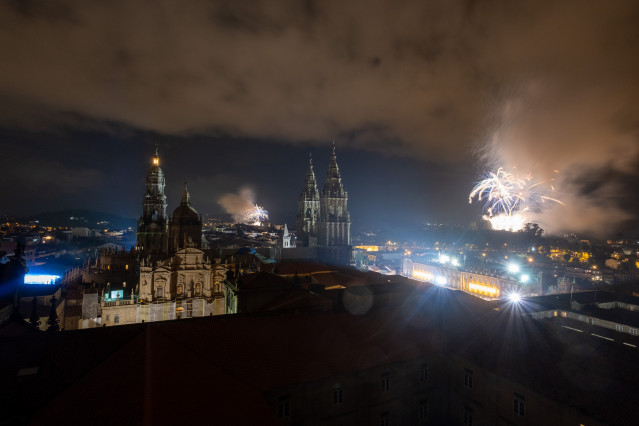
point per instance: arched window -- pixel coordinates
(160, 292)
(180, 289)
(198, 289)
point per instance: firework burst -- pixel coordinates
(256, 215)
(507, 198)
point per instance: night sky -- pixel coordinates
(420, 98)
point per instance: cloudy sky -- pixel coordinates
(420, 98)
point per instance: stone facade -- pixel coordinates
(182, 286)
(323, 218)
(335, 220)
(308, 212)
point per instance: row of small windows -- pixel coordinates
(197, 290)
(338, 393)
(284, 410)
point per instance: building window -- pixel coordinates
(423, 410)
(338, 393)
(283, 407)
(116, 319)
(198, 289)
(423, 373)
(189, 309)
(581, 317)
(468, 378)
(554, 314)
(519, 406)
(633, 331)
(385, 382)
(563, 315)
(468, 417)
(180, 289)
(619, 327)
(160, 292)
(384, 419)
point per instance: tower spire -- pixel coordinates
(186, 197)
(156, 157)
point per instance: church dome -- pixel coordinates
(184, 212)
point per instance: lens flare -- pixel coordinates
(514, 297)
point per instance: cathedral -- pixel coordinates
(176, 279)
(157, 235)
(323, 218)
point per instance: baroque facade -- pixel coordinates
(176, 278)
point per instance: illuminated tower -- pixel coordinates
(185, 228)
(308, 211)
(152, 226)
(335, 221)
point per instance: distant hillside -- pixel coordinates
(83, 218)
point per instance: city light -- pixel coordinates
(454, 262)
(423, 276)
(440, 281)
(40, 279)
(524, 278)
(444, 258)
(483, 289)
(514, 297)
(513, 268)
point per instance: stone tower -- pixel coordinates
(308, 211)
(286, 238)
(152, 236)
(185, 228)
(335, 221)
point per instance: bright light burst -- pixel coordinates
(256, 215)
(508, 197)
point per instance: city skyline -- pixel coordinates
(420, 100)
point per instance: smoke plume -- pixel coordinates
(238, 204)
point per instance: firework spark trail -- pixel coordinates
(256, 215)
(508, 197)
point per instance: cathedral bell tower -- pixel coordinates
(308, 209)
(152, 235)
(335, 221)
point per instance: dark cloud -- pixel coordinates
(534, 85)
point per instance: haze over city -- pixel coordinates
(420, 99)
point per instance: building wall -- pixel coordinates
(472, 282)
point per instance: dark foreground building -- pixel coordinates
(399, 354)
